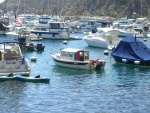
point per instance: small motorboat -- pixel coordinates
(103, 38)
(131, 50)
(78, 59)
(36, 79)
(34, 37)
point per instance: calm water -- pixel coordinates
(117, 89)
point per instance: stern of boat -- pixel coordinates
(98, 64)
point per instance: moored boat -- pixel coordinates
(131, 50)
(78, 59)
(103, 38)
(11, 58)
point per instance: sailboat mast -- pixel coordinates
(133, 10)
(141, 8)
(44, 8)
(5, 11)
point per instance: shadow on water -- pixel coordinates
(70, 71)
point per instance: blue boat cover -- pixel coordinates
(131, 48)
(5, 40)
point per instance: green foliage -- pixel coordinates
(113, 14)
(101, 14)
(136, 16)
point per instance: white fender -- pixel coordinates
(137, 62)
(124, 60)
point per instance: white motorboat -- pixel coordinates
(126, 30)
(51, 30)
(103, 38)
(18, 31)
(78, 59)
(11, 59)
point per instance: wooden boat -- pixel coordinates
(11, 58)
(36, 79)
(77, 58)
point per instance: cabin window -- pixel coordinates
(44, 20)
(43, 29)
(146, 28)
(86, 55)
(64, 53)
(70, 54)
(55, 25)
(36, 29)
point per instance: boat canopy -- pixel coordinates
(3, 40)
(73, 50)
(131, 48)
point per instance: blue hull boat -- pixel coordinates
(131, 50)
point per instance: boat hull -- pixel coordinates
(95, 42)
(75, 65)
(127, 61)
(24, 79)
(86, 65)
(52, 35)
(10, 68)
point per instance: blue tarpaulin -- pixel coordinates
(131, 48)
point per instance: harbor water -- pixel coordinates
(119, 88)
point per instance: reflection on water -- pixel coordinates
(68, 71)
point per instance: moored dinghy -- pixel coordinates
(131, 50)
(77, 58)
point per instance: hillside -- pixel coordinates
(80, 7)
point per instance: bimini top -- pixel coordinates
(5, 40)
(131, 48)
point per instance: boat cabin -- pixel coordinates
(56, 25)
(10, 55)
(44, 19)
(74, 54)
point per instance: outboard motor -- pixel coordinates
(98, 65)
(40, 47)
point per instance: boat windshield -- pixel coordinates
(56, 25)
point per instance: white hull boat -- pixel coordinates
(77, 59)
(103, 38)
(11, 58)
(51, 30)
